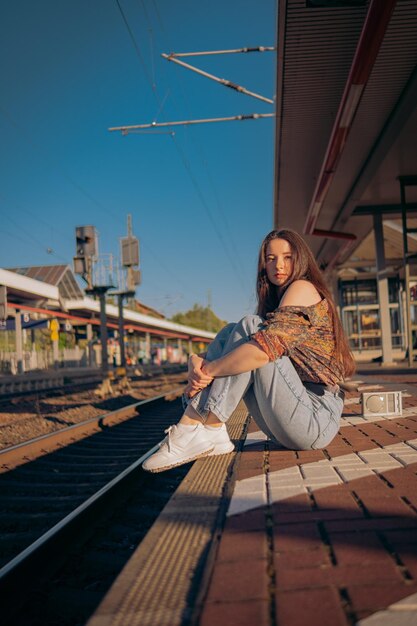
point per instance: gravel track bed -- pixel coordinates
(25, 418)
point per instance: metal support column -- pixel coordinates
(148, 346)
(408, 181)
(90, 355)
(55, 349)
(19, 342)
(121, 331)
(103, 335)
(383, 297)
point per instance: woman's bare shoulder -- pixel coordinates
(301, 293)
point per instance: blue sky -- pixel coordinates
(201, 200)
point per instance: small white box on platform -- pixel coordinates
(381, 403)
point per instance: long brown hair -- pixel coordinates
(304, 268)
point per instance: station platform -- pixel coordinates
(271, 536)
(44, 380)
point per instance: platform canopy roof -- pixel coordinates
(51, 288)
(89, 307)
(60, 276)
(346, 118)
(27, 290)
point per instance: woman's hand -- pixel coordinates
(197, 379)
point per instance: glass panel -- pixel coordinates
(413, 312)
(359, 292)
(350, 323)
(370, 332)
(393, 289)
(396, 334)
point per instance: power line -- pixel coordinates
(182, 156)
(150, 30)
(198, 145)
(35, 239)
(125, 130)
(221, 81)
(36, 217)
(9, 234)
(28, 138)
(79, 188)
(136, 46)
(197, 187)
(210, 215)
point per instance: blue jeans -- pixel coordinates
(297, 415)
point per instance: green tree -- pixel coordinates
(200, 317)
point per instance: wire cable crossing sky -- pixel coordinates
(200, 195)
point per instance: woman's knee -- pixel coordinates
(224, 334)
(216, 347)
(251, 323)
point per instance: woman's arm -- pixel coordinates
(300, 293)
(247, 357)
(195, 373)
(250, 356)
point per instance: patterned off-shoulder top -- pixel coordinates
(305, 334)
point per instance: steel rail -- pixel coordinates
(91, 377)
(37, 444)
(34, 558)
(6, 397)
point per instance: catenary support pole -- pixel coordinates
(103, 334)
(90, 354)
(383, 297)
(19, 342)
(121, 331)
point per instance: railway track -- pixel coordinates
(22, 418)
(54, 503)
(44, 386)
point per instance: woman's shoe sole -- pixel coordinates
(156, 470)
(219, 451)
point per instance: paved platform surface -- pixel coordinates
(326, 537)
(273, 537)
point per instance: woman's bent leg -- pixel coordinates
(254, 410)
(292, 415)
(186, 442)
(284, 409)
(224, 394)
(296, 417)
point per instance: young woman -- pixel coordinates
(285, 363)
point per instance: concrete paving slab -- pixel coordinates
(339, 506)
(309, 537)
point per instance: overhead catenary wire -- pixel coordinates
(150, 31)
(116, 216)
(209, 213)
(35, 216)
(235, 51)
(210, 216)
(35, 239)
(136, 47)
(187, 165)
(251, 116)
(221, 81)
(236, 251)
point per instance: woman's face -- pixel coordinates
(279, 261)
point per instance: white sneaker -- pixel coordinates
(221, 440)
(181, 445)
